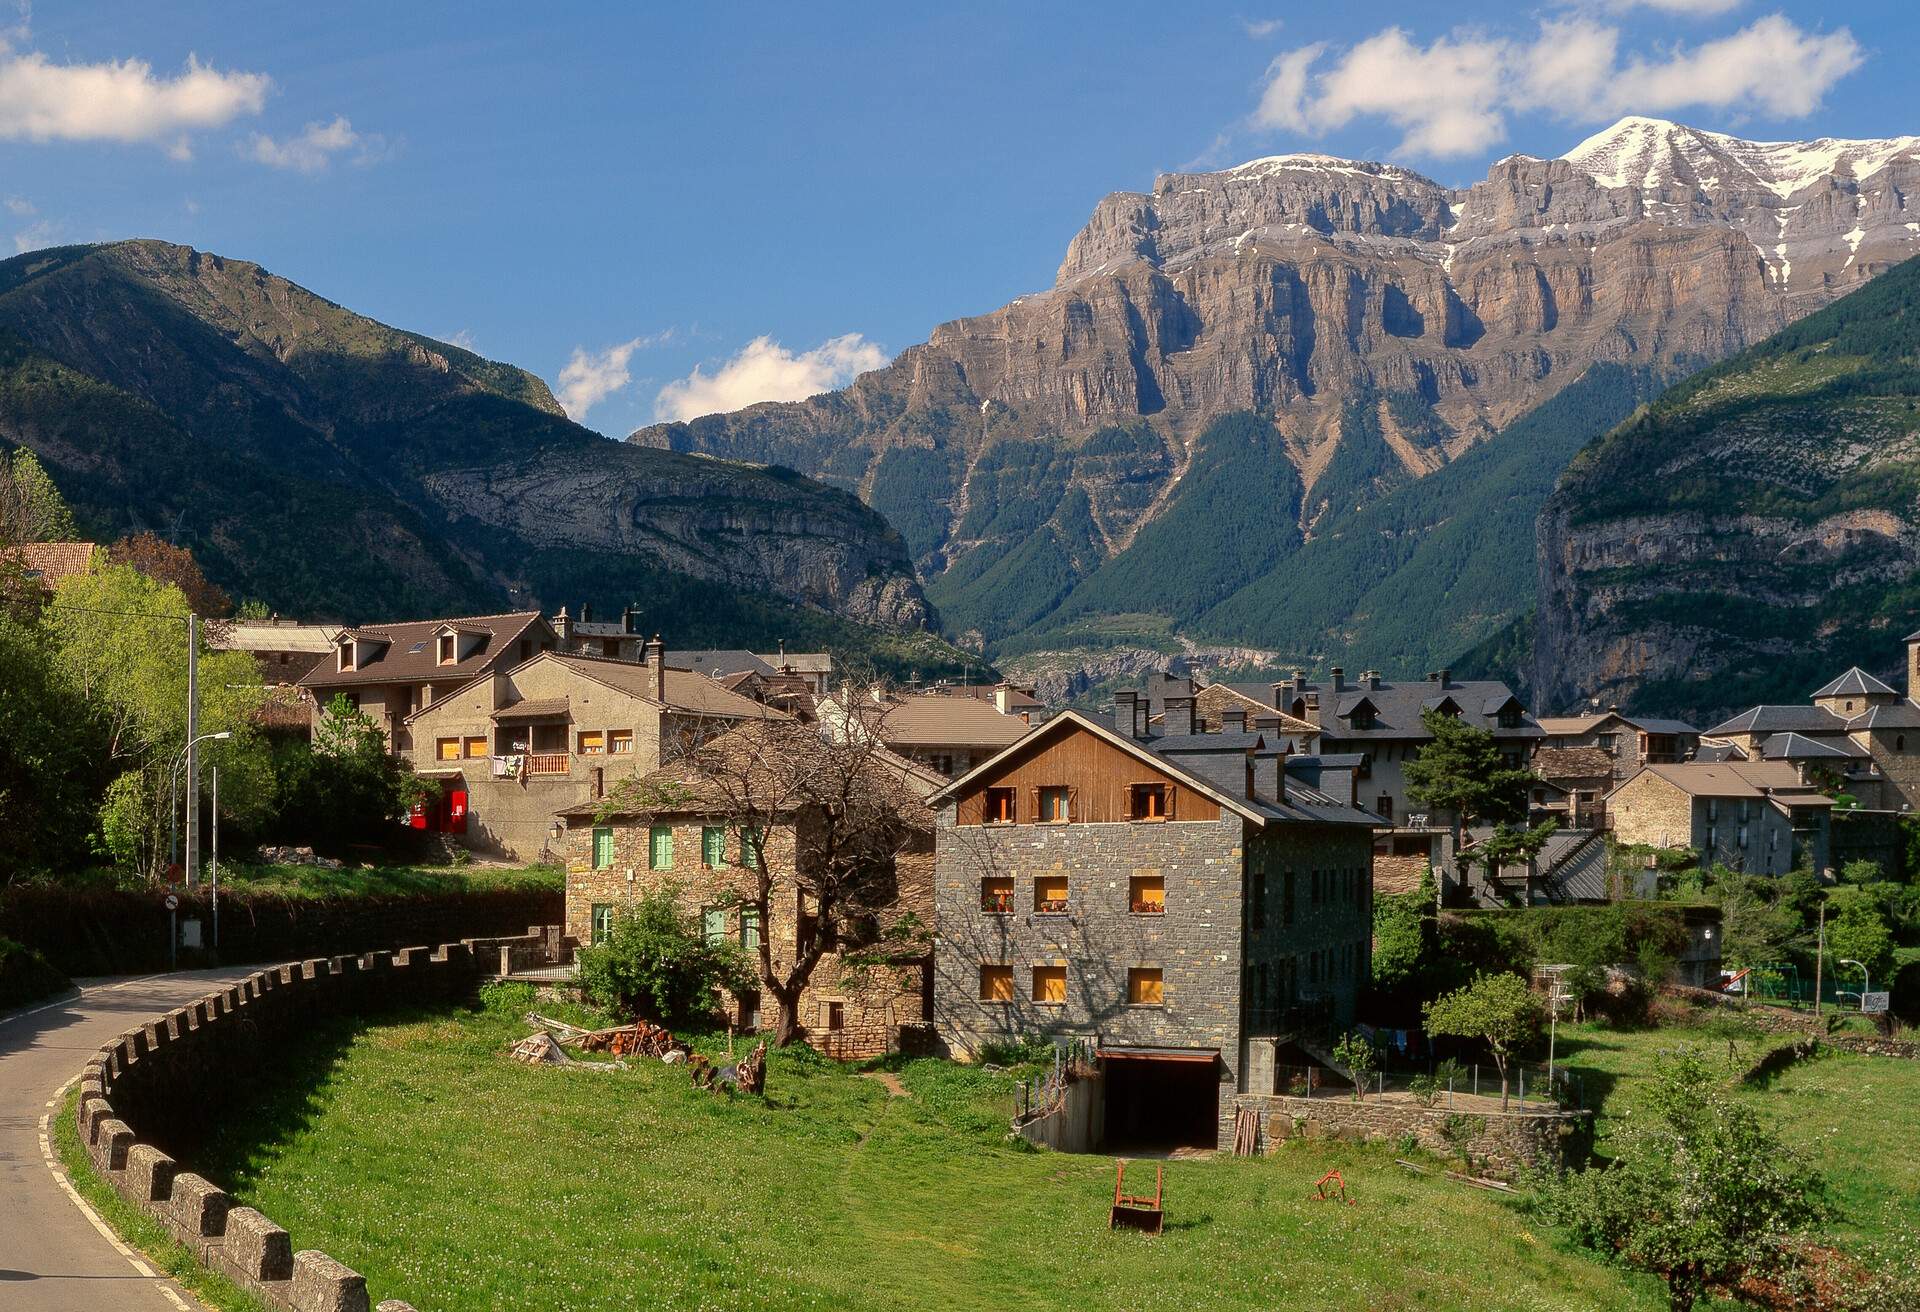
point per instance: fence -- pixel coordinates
(1042, 1093)
(1437, 1086)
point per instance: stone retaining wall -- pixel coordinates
(155, 1084)
(1503, 1141)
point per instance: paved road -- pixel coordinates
(53, 1258)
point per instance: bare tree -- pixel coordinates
(851, 809)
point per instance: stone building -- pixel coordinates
(513, 746)
(673, 829)
(1179, 899)
(1760, 816)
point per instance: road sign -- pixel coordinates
(172, 903)
(1874, 1004)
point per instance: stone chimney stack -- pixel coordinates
(1446, 678)
(1299, 680)
(1371, 681)
(1123, 713)
(1339, 677)
(654, 654)
(563, 627)
(1003, 698)
(1234, 721)
(1180, 715)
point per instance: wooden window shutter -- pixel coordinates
(1127, 795)
(1037, 816)
(1172, 791)
(1073, 803)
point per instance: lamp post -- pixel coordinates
(185, 755)
(1866, 978)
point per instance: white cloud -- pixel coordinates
(315, 147)
(764, 370)
(1261, 28)
(1454, 95)
(464, 340)
(590, 377)
(119, 100)
(1688, 8)
(41, 233)
(20, 207)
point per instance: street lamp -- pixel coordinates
(1866, 980)
(173, 793)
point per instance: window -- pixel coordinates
(1384, 807)
(476, 748)
(1286, 899)
(750, 928)
(1148, 802)
(713, 846)
(996, 895)
(942, 764)
(1000, 806)
(620, 742)
(602, 922)
(1147, 895)
(660, 848)
(353, 700)
(1050, 894)
(526, 648)
(1144, 988)
(592, 742)
(1257, 913)
(446, 749)
(1050, 985)
(750, 844)
(833, 1015)
(345, 662)
(1053, 806)
(996, 983)
(1713, 808)
(1362, 717)
(447, 650)
(602, 848)
(1713, 837)
(713, 924)
(1509, 717)
(1606, 741)
(1743, 835)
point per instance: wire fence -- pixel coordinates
(1444, 1085)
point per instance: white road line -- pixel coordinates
(77, 994)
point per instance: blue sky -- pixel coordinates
(777, 194)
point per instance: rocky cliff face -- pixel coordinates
(329, 464)
(1752, 531)
(1333, 298)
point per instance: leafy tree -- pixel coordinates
(163, 562)
(1403, 933)
(48, 754)
(31, 507)
(345, 787)
(1511, 844)
(1499, 1010)
(654, 963)
(1699, 1189)
(1758, 925)
(1858, 932)
(1356, 1052)
(1462, 772)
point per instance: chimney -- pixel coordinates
(630, 619)
(1299, 680)
(1179, 715)
(1280, 772)
(562, 627)
(1234, 721)
(1371, 681)
(1003, 698)
(1433, 676)
(1339, 679)
(1446, 678)
(654, 653)
(586, 613)
(1123, 713)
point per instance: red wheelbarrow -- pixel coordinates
(1136, 1211)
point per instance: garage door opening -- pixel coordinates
(1161, 1098)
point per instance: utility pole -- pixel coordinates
(1819, 962)
(193, 758)
(216, 856)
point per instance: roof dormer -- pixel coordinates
(354, 651)
(452, 643)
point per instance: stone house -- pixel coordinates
(514, 746)
(285, 650)
(1179, 899)
(625, 639)
(1761, 816)
(947, 732)
(1628, 742)
(620, 849)
(390, 671)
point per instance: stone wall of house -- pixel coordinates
(869, 1002)
(1500, 1143)
(1395, 875)
(156, 1089)
(1311, 938)
(1648, 811)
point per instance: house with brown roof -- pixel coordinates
(390, 671)
(620, 850)
(947, 732)
(46, 563)
(625, 639)
(1768, 817)
(1629, 742)
(513, 746)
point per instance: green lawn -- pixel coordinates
(417, 1152)
(1857, 1117)
(386, 881)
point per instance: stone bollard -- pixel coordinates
(321, 1284)
(198, 1207)
(111, 1140)
(149, 1175)
(256, 1247)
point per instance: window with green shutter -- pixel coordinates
(602, 922)
(713, 924)
(713, 846)
(750, 928)
(660, 847)
(750, 847)
(602, 848)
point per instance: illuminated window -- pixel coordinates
(592, 742)
(447, 749)
(1147, 894)
(1147, 802)
(996, 983)
(1000, 806)
(1050, 985)
(620, 742)
(996, 895)
(476, 747)
(1053, 806)
(1050, 894)
(1144, 987)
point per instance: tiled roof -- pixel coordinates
(535, 708)
(938, 719)
(1572, 726)
(1739, 779)
(1856, 682)
(1799, 747)
(1017, 698)
(409, 654)
(1779, 719)
(1678, 728)
(1572, 763)
(52, 561)
(686, 691)
(715, 663)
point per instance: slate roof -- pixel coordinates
(717, 662)
(1902, 714)
(1856, 682)
(1779, 719)
(1799, 747)
(1717, 753)
(1397, 707)
(1572, 763)
(409, 656)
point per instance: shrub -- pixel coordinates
(655, 964)
(25, 975)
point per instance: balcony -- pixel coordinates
(548, 763)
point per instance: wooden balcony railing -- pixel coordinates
(547, 763)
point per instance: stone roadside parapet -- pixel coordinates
(156, 1078)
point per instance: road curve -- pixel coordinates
(53, 1257)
